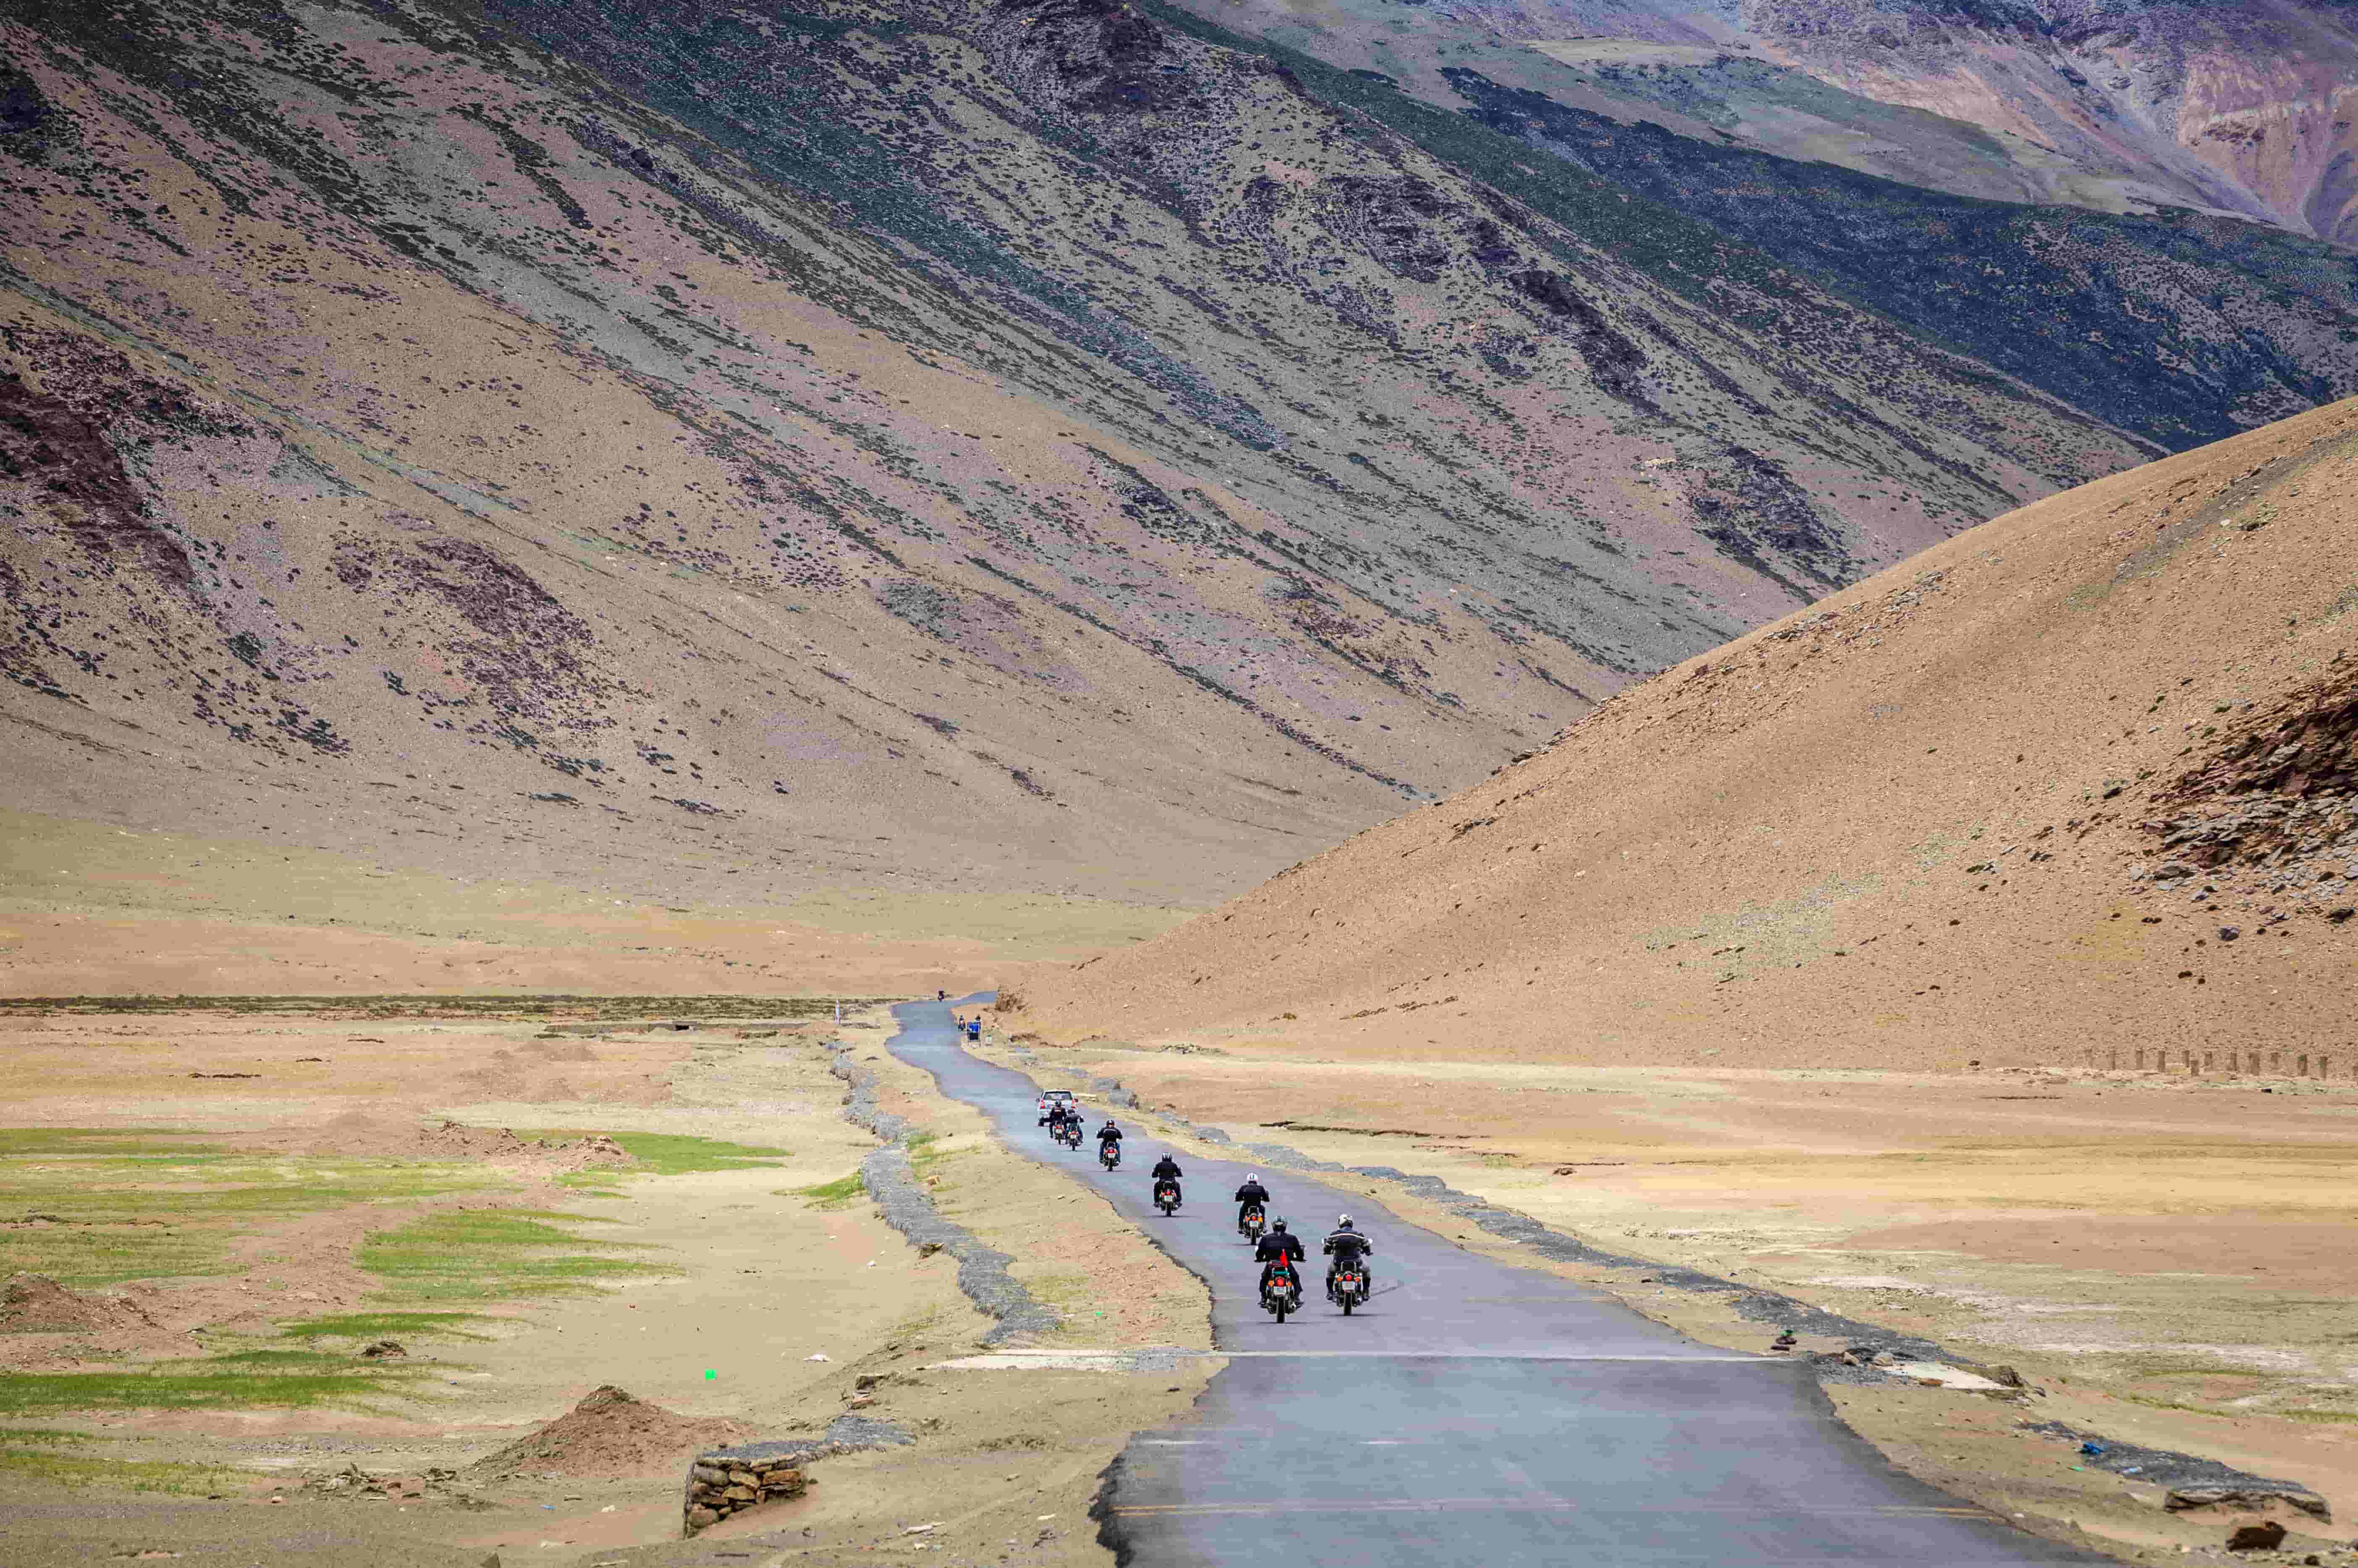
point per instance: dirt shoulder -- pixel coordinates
(2157, 1259)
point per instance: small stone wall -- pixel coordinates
(730, 1481)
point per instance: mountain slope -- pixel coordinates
(1051, 445)
(2230, 108)
(392, 416)
(2081, 780)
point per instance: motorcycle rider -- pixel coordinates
(1166, 1170)
(1110, 1133)
(1059, 1113)
(1347, 1245)
(1279, 1246)
(1251, 1192)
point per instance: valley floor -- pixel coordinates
(271, 1192)
(273, 1187)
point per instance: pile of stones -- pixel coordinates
(728, 1480)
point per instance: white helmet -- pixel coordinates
(1343, 1222)
(1252, 1175)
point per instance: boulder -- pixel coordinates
(2265, 1536)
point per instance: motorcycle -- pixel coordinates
(1350, 1288)
(1284, 1292)
(1167, 1195)
(1069, 1135)
(1109, 1155)
(1252, 1224)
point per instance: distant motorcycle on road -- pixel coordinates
(1350, 1287)
(1167, 1195)
(1069, 1134)
(1253, 1222)
(1108, 1154)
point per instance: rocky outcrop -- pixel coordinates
(22, 105)
(2234, 105)
(2272, 807)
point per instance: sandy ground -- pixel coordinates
(765, 1281)
(95, 909)
(2165, 1260)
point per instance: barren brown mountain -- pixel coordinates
(581, 465)
(678, 458)
(2230, 106)
(2076, 785)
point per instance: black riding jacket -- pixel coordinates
(1278, 1244)
(1109, 1134)
(1348, 1246)
(1166, 1168)
(1252, 1192)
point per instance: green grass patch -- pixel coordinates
(672, 1154)
(490, 1254)
(386, 1326)
(112, 1143)
(290, 1380)
(926, 1160)
(140, 1204)
(55, 1437)
(831, 1195)
(79, 1255)
(81, 1473)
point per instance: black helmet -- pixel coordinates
(1278, 1224)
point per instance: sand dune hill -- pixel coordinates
(2078, 781)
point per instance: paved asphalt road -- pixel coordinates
(1471, 1413)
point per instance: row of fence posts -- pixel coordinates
(2280, 1063)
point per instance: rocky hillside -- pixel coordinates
(2230, 108)
(1053, 444)
(2083, 781)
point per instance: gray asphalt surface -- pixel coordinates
(1471, 1413)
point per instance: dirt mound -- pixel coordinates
(456, 1139)
(35, 1303)
(363, 1132)
(2077, 784)
(610, 1434)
